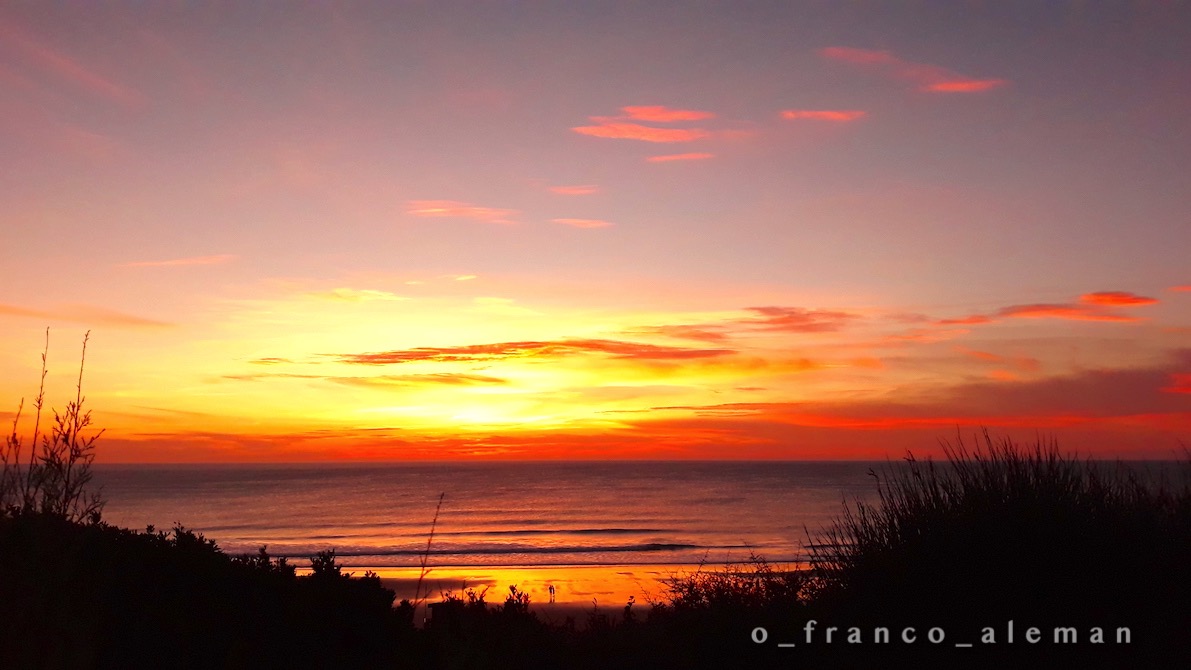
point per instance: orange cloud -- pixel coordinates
(930, 78)
(586, 189)
(175, 262)
(85, 314)
(1116, 299)
(972, 320)
(661, 114)
(841, 115)
(1072, 312)
(459, 210)
(613, 129)
(679, 157)
(1183, 288)
(1091, 307)
(531, 349)
(584, 223)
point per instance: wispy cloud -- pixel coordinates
(584, 223)
(437, 378)
(626, 126)
(837, 115)
(1183, 288)
(584, 189)
(1100, 306)
(454, 209)
(270, 360)
(684, 332)
(798, 319)
(218, 259)
(1078, 312)
(757, 320)
(931, 78)
(531, 349)
(85, 314)
(68, 69)
(624, 130)
(356, 295)
(697, 156)
(662, 114)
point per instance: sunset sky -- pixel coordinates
(308, 231)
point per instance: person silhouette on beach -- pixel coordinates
(550, 588)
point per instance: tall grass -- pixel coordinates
(1001, 531)
(51, 475)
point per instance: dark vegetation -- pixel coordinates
(994, 534)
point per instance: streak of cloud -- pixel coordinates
(623, 130)
(453, 209)
(1099, 306)
(531, 349)
(1116, 299)
(667, 158)
(929, 78)
(69, 70)
(584, 189)
(85, 314)
(356, 295)
(662, 114)
(218, 259)
(837, 115)
(584, 223)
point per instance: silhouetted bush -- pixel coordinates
(95, 596)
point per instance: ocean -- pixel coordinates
(519, 513)
(599, 533)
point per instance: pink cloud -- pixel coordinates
(585, 189)
(680, 157)
(662, 114)
(929, 78)
(860, 56)
(1183, 288)
(453, 209)
(584, 223)
(621, 130)
(964, 85)
(175, 262)
(840, 115)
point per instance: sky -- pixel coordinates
(435, 230)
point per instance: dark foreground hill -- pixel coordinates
(1029, 557)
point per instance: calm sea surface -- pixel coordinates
(495, 514)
